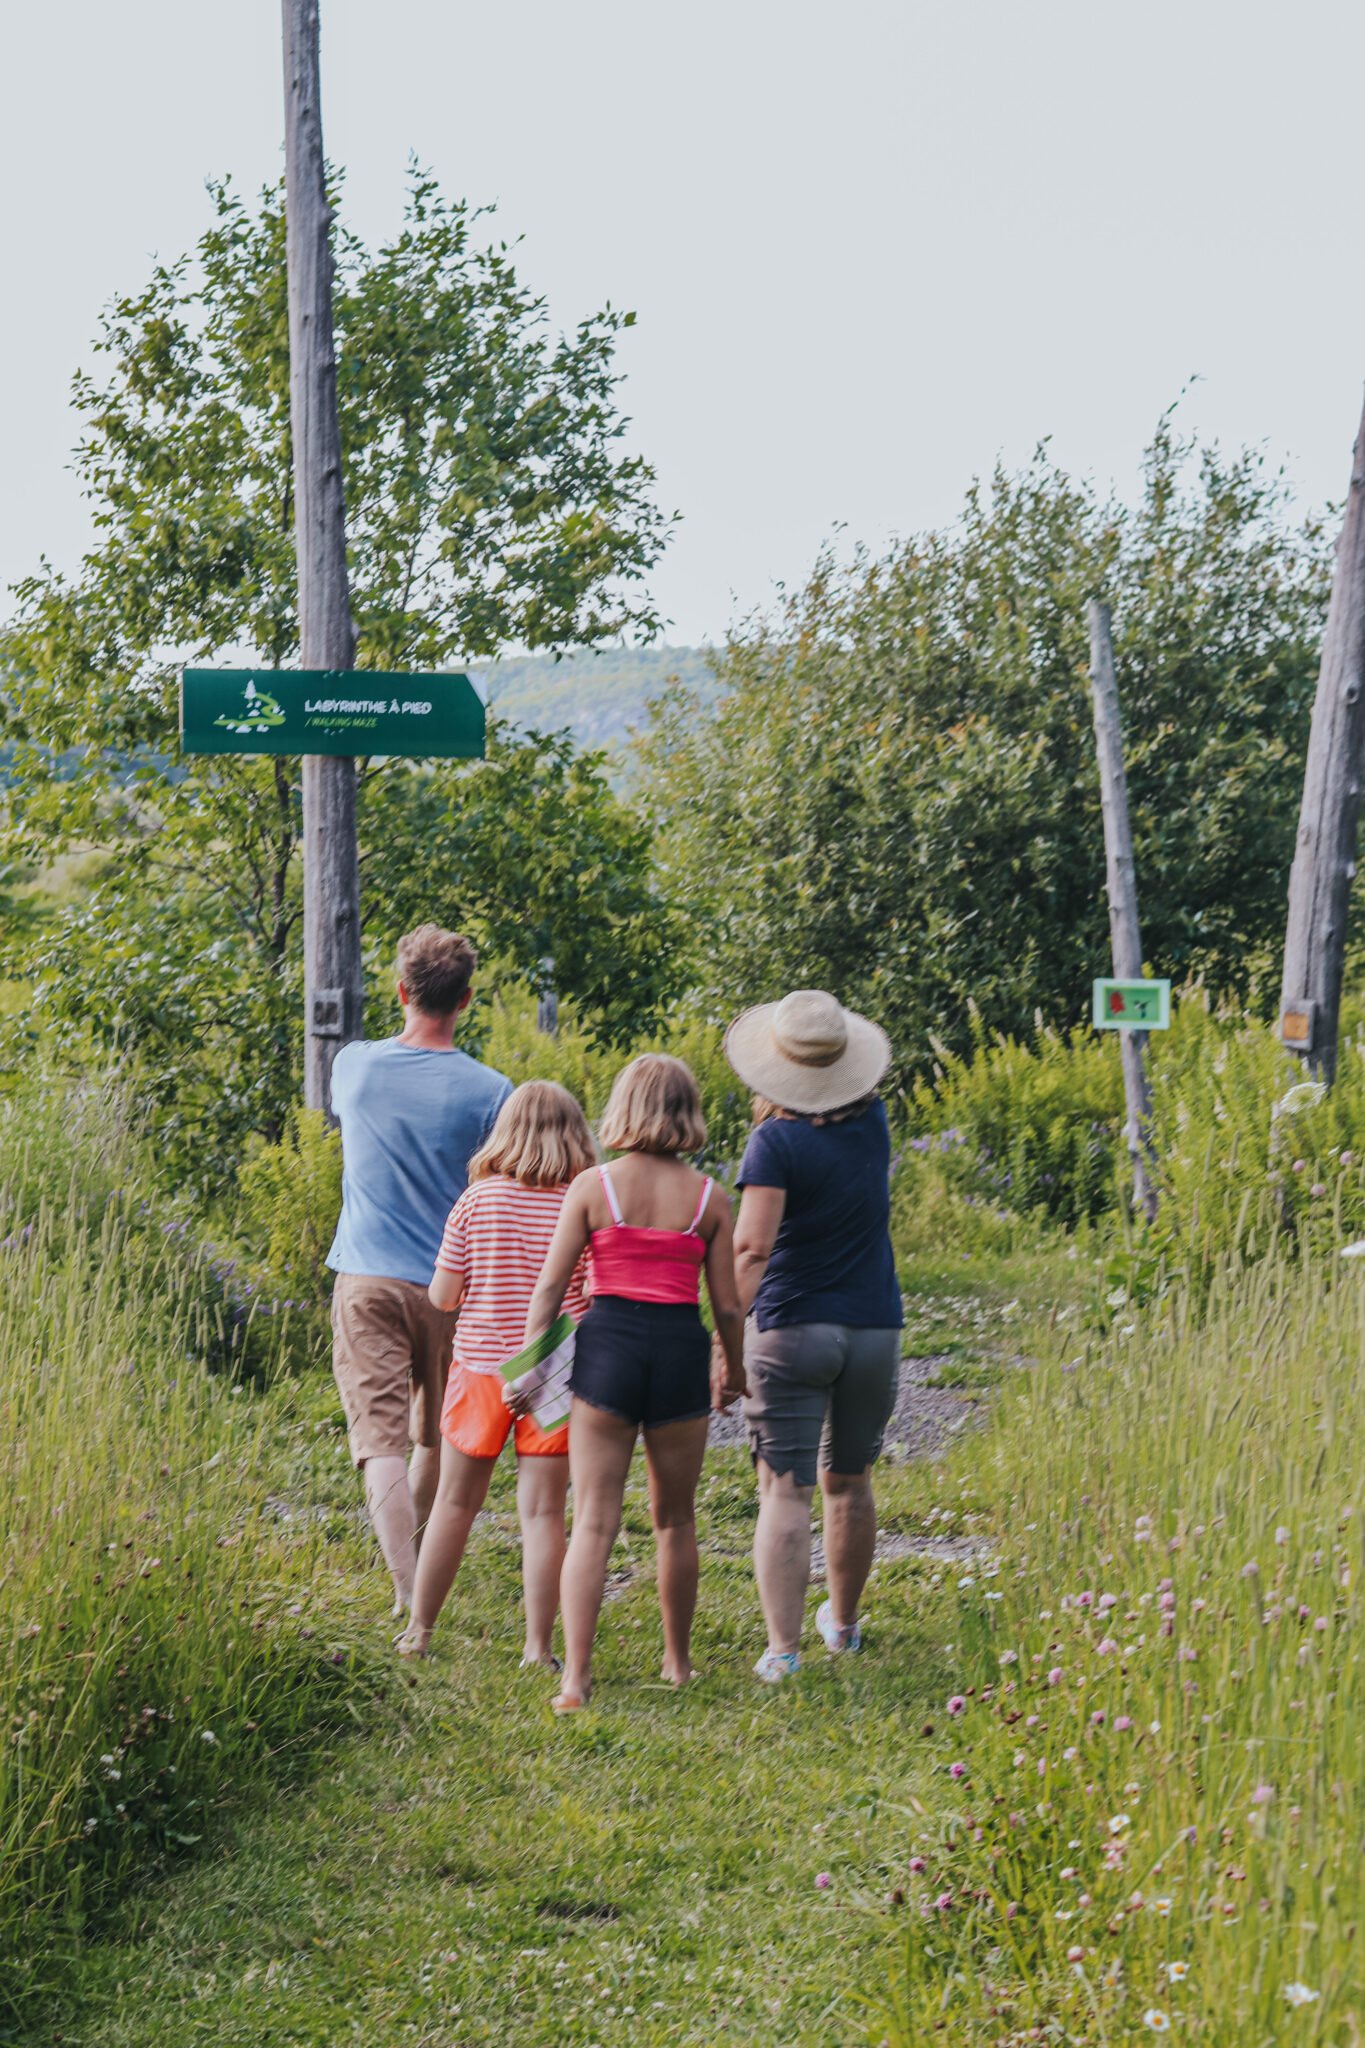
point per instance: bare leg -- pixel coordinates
(461, 1493)
(424, 1466)
(674, 1455)
(542, 1485)
(850, 1539)
(390, 1505)
(600, 1448)
(782, 1554)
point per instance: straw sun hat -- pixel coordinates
(807, 1053)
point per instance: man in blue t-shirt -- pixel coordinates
(412, 1110)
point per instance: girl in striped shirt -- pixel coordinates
(494, 1246)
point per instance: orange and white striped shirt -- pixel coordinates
(496, 1238)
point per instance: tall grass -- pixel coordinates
(1150, 1739)
(154, 1652)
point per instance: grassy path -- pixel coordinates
(466, 1869)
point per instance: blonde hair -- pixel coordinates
(541, 1138)
(654, 1106)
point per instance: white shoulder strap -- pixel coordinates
(610, 1193)
(701, 1206)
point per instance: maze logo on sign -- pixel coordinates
(260, 713)
(330, 711)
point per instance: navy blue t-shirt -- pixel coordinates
(832, 1262)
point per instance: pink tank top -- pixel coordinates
(648, 1265)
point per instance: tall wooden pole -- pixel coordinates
(1121, 887)
(333, 986)
(1329, 817)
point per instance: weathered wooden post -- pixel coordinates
(1329, 816)
(547, 998)
(333, 981)
(1121, 887)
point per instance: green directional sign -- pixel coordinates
(1132, 1005)
(329, 711)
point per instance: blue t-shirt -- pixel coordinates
(409, 1119)
(832, 1262)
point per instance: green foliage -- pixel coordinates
(1145, 1795)
(151, 1662)
(488, 501)
(936, 1215)
(1250, 1152)
(289, 1198)
(896, 795)
(516, 1048)
(1250, 1156)
(532, 853)
(1026, 1127)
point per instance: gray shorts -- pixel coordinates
(819, 1390)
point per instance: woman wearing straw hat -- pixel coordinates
(814, 1264)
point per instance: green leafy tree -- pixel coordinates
(533, 853)
(896, 794)
(489, 503)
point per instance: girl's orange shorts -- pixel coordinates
(477, 1421)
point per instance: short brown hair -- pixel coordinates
(436, 968)
(541, 1138)
(654, 1106)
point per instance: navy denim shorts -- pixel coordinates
(647, 1361)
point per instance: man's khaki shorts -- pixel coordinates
(390, 1358)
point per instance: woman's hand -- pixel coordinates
(727, 1384)
(516, 1400)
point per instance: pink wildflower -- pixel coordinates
(917, 1864)
(823, 1881)
(1055, 1676)
(957, 1770)
(956, 1704)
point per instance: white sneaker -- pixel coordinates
(775, 1665)
(835, 1635)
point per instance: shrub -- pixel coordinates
(1149, 1729)
(150, 1658)
(1025, 1127)
(289, 1200)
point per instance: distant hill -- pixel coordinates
(599, 696)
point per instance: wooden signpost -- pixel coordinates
(333, 980)
(1121, 887)
(1329, 818)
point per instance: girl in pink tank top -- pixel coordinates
(649, 1264)
(642, 1361)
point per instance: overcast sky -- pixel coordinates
(872, 245)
